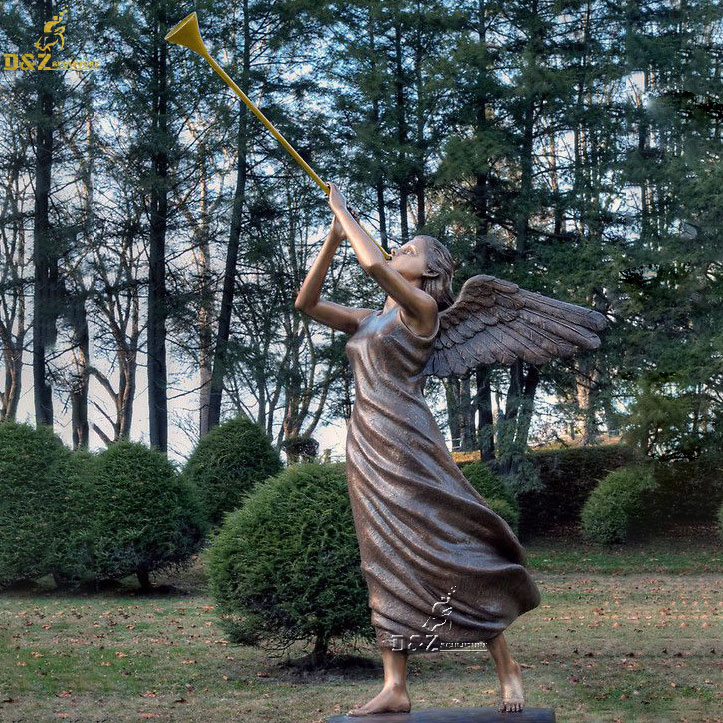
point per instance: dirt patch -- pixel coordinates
(337, 668)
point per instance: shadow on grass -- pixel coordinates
(335, 668)
(45, 587)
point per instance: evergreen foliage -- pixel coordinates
(71, 550)
(286, 566)
(616, 505)
(32, 493)
(567, 476)
(147, 518)
(227, 462)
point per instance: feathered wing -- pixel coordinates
(494, 321)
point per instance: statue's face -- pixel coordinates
(410, 259)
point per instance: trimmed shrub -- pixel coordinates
(688, 492)
(500, 499)
(568, 476)
(286, 565)
(30, 493)
(616, 505)
(226, 464)
(70, 551)
(147, 517)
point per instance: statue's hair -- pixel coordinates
(439, 261)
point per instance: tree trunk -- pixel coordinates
(522, 212)
(229, 280)
(44, 251)
(466, 413)
(523, 199)
(79, 388)
(319, 656)
(376, 119)
(506, 440)
(13, 359)
(205, 309)
(144, 580)
(421, 180)
(157, 293)
(451, 391)
(401, 134)
(381, 211)
(524, 420)
(485, 430)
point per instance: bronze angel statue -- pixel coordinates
(426, 536)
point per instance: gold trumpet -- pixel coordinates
(188, 34)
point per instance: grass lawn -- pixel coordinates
(633, 634)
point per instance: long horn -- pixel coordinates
(188, 34)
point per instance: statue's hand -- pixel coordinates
(336, 232)
(336, 199)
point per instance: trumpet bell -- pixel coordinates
(188, 34)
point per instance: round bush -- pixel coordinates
(147, 517)
(70, 551)
(286, 565)
(31, 491)
(227, 462)
(615, 506)
(500, 499)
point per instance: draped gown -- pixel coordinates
(443, 570)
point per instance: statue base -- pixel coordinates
(456, 715)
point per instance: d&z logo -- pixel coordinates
(53, 38)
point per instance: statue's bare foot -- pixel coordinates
(390, 700)
(512, 695)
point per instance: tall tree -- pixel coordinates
(45, 246)
(147, 99)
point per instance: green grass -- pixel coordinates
(684, 551)
(617, 637)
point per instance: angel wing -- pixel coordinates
(494, 321)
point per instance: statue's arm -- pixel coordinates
(308, 299)
(419, 309)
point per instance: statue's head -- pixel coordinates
(437, 280)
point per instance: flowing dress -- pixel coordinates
(443, 570)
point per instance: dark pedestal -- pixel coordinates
(455, 715)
